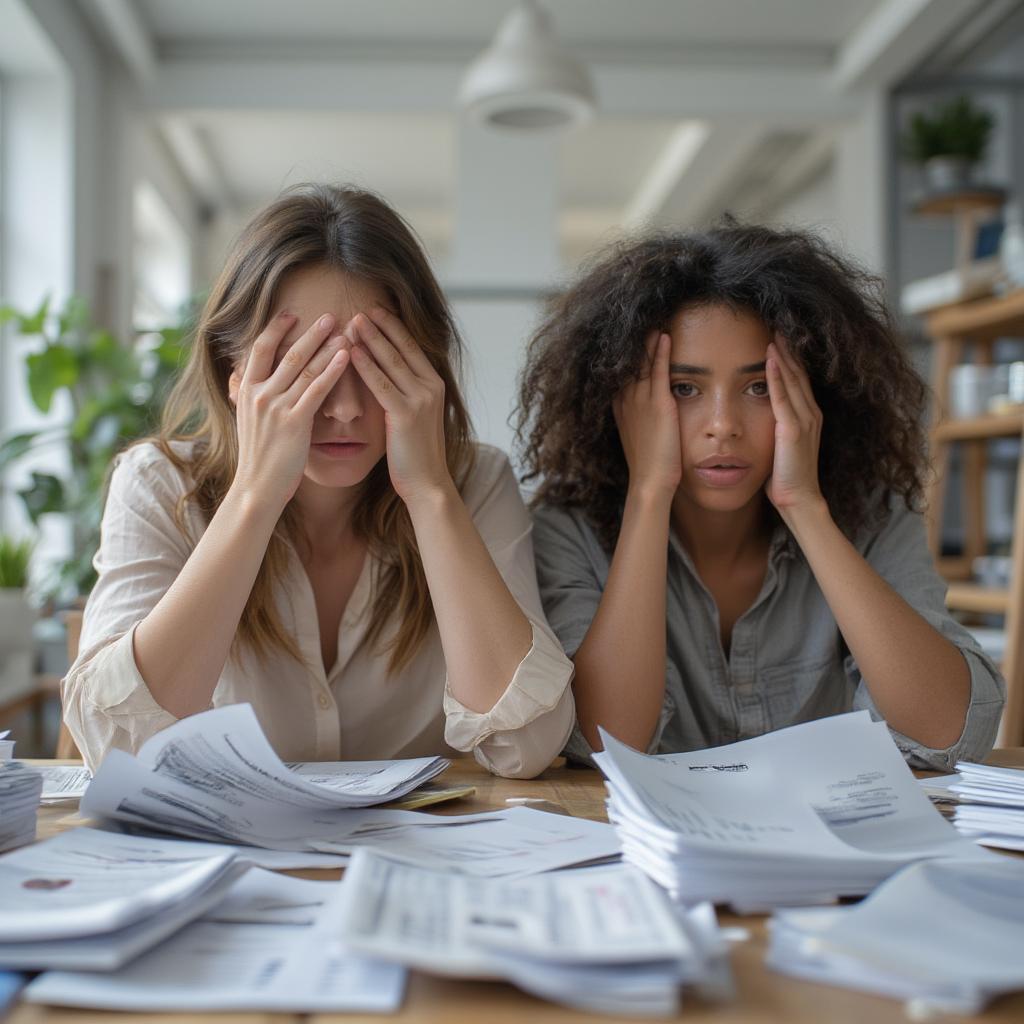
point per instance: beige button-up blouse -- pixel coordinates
(356, 712)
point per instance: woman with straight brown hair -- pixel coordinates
(314, 531)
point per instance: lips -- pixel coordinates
(723, 461)
(339, 448)
(722, 470)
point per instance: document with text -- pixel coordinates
(215, 776)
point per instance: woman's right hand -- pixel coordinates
(648, 422)
(275, 405)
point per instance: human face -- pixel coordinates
(348, 437)
(726, 424)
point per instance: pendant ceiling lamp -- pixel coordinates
(525, 80)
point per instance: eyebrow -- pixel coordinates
(703, 371)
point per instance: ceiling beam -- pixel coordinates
(725, 155)
(121, 21)
(789, 96)
(663, 178)
(894, 39)
(198, 164)
(804, 165)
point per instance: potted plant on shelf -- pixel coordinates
(16, 619)
(948, 142)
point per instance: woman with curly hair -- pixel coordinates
(314, 531)
(727, 438)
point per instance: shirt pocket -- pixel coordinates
(801, 691)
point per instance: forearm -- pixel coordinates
(484, 633)
(918, 680)
(620, 666)
(181, 646)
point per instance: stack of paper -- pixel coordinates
(93, 900)
(215, 776)
(946, 936)
(802, 815)
(272, 945)
(20, 787)
(991, 805)
(64, 782)
(598, 939)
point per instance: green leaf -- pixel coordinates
(35, 323)
(75, 316)
(16, 446)
(46, 494)
(53, 368)
(8, 313)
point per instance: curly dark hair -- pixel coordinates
(591, 343)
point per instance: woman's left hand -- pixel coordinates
(400, 377)
(794, 481)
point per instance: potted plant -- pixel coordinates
(948, 141)
(16, 618)
(115, 394)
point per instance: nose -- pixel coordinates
(346, 401)
(724, 418)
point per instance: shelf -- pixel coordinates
(955, 568)
(981, 319)
(970, 597)
(1006, 424)
(980, 199)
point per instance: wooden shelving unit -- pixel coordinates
(978, 324)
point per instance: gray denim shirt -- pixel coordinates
(787, 662)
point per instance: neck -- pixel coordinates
(325, 514)
(722, 538)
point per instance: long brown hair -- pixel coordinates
(591, 343)
(354, 231)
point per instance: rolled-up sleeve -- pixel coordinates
(899, 554)
(528, 726)
(106, 702)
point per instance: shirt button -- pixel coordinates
(324, 701)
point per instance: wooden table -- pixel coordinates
(763, 996)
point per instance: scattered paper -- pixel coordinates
(509, 843)
(93, 899)
(246, 959)
(945, 936)
(601, 939)
(215, 776)
(64, 782)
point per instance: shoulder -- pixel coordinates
(557, 527)
(147, 468)
(490, 478)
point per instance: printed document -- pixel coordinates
(92, 900)
(806, 814)
(945, 936)
(215, 776)
(508, 843)
(592, 938)
(250, 953)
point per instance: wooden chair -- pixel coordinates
(66, 748)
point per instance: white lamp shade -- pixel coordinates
(525, 80)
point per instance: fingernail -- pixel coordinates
(285, 315)
(326, 322)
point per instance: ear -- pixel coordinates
(233, 382)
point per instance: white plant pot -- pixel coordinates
(17, 617)
(948, 173)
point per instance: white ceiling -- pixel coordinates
(253, 96)
(618, 22)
